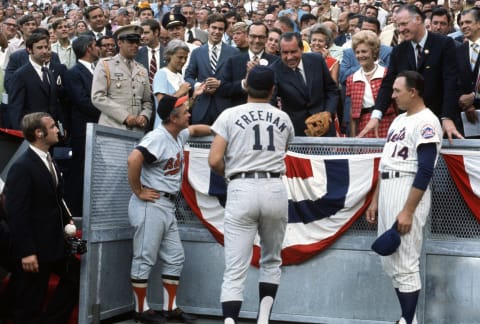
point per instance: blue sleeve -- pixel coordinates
(427, 154)
(148, 157)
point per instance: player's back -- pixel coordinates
(257, 135)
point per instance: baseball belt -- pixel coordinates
(255, 175)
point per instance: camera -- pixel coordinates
(74, 245)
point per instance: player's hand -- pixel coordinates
(471, 115)
(450, 129)
(404, 222)
(372, 213)
(30, 263)
(372, 124)
(147, 194)
(202, 88)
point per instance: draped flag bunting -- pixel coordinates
(326, 195)
(464, 168)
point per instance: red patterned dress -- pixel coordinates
(355, 89)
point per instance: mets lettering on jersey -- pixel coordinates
(321, 207)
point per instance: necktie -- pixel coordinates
(99, 35)
(45, 80)
(419, 54)
(190, 36)
(153, 68)
(213, 59)
(299, 76)
(129, 64)
(52, 169)
(92, 66)
(255, 58)
(474, 55)
(394, 38)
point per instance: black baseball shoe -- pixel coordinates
(149, 316)
(178, 315)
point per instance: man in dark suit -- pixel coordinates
(235, 73)
(304, 84)
(200, 72)
(38, 85)
(191, 32)
(429, 54)
(468, 63)
(150, 37)
(97, 22)
(33, 198)
(78, 83)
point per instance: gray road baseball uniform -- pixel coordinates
(257, 135)
(128, 92)
(156, 231)
(399, 160)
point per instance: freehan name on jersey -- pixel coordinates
(256, 115)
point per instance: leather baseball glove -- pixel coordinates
(317, 124)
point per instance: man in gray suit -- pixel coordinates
(200, 70)
(191, 32)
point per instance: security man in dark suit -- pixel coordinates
(78, 83)
(33, 200)
(37, 85)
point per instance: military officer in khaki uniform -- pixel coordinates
(120, 88)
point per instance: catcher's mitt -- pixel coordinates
(317, 124)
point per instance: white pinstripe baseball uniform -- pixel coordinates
(398, 167)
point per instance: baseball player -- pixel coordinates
(248, 149)
(155, 169)
(409, 156)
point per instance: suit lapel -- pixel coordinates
(222, 58)
(292, 79)
(42, 168)
(411, 56)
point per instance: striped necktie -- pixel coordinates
(153, 68)
(473, 54)
(213, 59)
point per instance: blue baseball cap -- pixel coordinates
(261, 77)
(388, 242)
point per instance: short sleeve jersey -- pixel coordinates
(257, 135)
(405, 134)
(164, 173)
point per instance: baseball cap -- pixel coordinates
(388, 242)
(129, 32)
(261, 78)
(168, 103)
(173, 20)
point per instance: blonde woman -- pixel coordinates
(364, 84)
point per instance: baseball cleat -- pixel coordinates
(149, 316)
(179, 315)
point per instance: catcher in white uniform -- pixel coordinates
(249, 149)
(406, 167)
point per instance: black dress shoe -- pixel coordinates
(179, 315)
(149, 316)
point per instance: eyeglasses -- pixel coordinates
(10, 25)
(260, 37)
(269, 21)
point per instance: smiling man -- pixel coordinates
(431, 55)
(236, 72)
(304, 84)
(206, 65)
